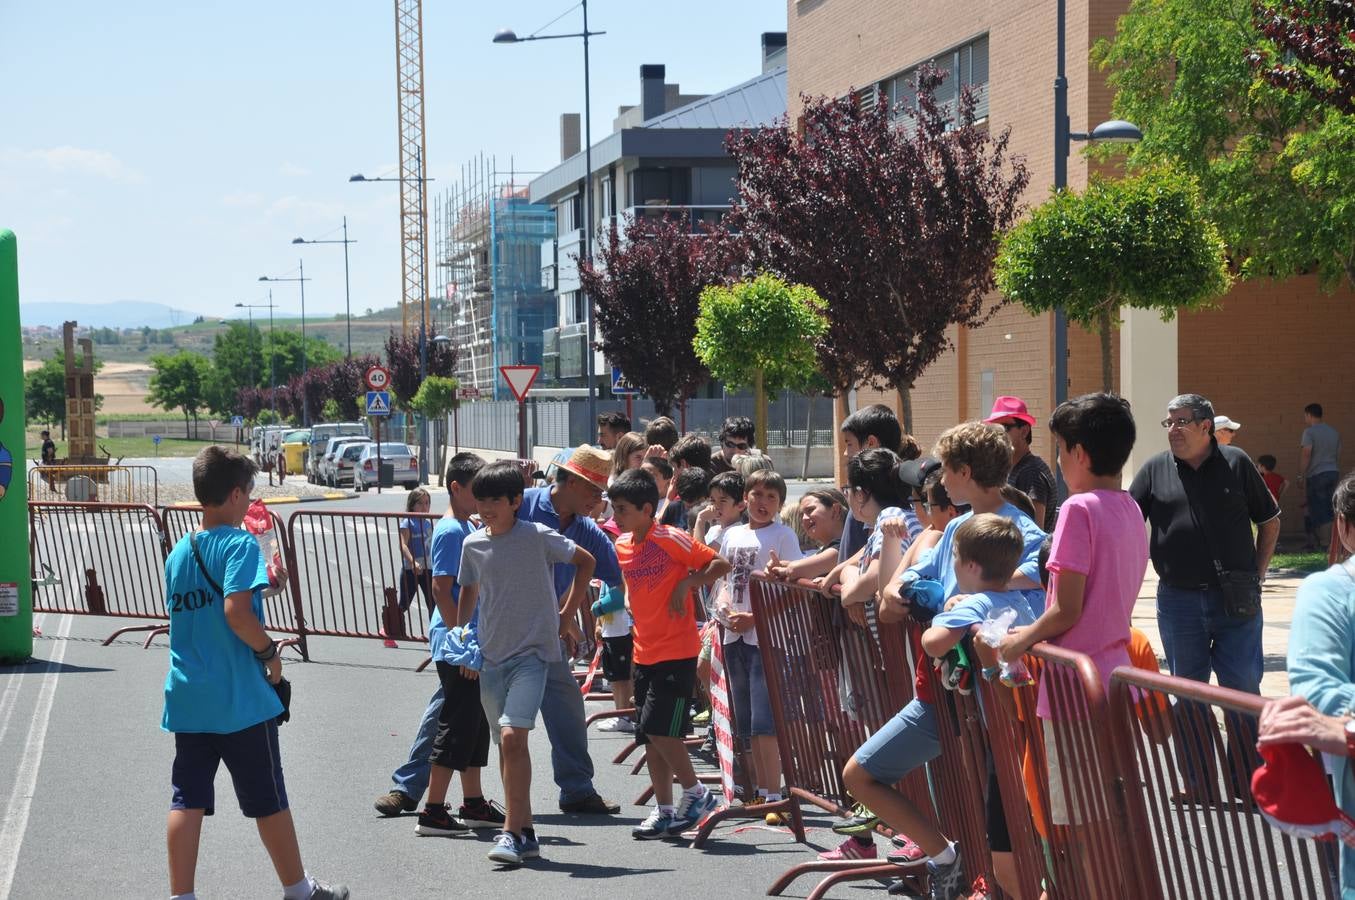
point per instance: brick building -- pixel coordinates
(1266, 351)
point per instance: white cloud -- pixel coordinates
(242, 200)
(302, 210)
(293, 170)
(67, 160)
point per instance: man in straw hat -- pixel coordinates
(567, 506)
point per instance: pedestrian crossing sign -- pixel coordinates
(378, 403)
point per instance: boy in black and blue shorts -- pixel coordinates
(220, 702)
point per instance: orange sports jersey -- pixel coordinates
(651, 569)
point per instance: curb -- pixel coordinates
(332, 495)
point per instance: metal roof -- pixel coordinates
(755, 103)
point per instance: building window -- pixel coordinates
(960, 67)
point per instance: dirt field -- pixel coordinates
(123, 386)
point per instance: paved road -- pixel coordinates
(85, 787)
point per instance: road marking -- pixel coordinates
(9, 701)
(26, 773)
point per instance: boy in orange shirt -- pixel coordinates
(661, 566)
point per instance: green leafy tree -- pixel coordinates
(1138, 242)
(434, 400)
(1276, 166)
(760, 333)
(285, 345)
(180, 382)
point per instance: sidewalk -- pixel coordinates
(1277, 601)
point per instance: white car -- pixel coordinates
(399, 456)
(345, 464)
(327, 466)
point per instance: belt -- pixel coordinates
(1191, 587)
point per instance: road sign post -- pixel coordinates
(378, 407)
(520, 380)
(623, 388)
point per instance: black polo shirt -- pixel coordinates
(1229, 496)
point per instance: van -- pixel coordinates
(320, 437)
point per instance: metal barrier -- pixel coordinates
(346, 575)
(99, 559)
(94, 484)
(1188, 750)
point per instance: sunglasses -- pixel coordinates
(1180, 423)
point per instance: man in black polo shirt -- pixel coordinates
(1201, 500)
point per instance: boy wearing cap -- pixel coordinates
(1029, 474)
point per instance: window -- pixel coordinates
(962, 66)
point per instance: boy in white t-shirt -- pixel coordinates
(749, 548)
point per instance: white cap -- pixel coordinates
(1223, 423)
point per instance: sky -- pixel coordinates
(170, 153)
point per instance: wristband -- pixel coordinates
(268, 654)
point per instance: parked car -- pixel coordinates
(399, 456)
(319, 442)
(346, 461)
(328, 464)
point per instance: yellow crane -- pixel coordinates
(413, 157)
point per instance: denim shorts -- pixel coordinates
(748, 692)
(907, 741)
(251, 756)
(511, 692)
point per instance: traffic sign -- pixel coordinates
(155, 439)
(377, 377)
(237, 421)
(468, 393)
(378, 403)
(214, 423)
(620, 386)
(520, 379)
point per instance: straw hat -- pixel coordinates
(591, 464)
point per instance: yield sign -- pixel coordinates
(520, 379)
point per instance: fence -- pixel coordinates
(108, 484)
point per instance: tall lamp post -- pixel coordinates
(423, 312)
(508, 36)
(301, 279)
(1115, 131)
(272, 349)
(347, 300)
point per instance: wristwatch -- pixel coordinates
(1350, 737)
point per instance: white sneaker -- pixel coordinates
(619, 723)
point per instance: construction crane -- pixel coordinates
(413, 156)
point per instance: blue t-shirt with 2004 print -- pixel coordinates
(215, 684)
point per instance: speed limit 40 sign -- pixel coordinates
(378, 377)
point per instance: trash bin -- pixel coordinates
(387, 474)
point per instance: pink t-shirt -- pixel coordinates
(1099, 534)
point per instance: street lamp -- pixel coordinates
(301, 279)
(347, 302)
(423, 305)
(1115, 131)
(508, 36)
(272, 349)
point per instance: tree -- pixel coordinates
(238, 355)
(760, 333)
(345, 385)
(893, 215)
(1138, 242)
(436, 398)
(1276, 166)
(179, 382)
(646, 289)
(1316, 44)
(286, 347)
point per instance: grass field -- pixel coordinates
(1299, 562)
(121, 448)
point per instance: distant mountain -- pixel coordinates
(121, 314)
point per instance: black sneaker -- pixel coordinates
(323, 891)
(394, 803)
(437, 821)
(591, 805)
(482, 814)
(947, 882)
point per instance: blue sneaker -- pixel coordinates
(691, 810)
(946, 882)
(529, 847)
(656, 825)
(507, 850)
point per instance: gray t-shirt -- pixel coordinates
(1326, 444)
(519, 613)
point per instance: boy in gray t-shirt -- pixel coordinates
(506, 571)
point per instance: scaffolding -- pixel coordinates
(489, 240)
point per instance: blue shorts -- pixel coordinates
(250, 755)
(906, 742)
(511, 692)
(748, 692)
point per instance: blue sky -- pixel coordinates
(170, 152)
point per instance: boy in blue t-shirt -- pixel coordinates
(462, 740)
(219, 697)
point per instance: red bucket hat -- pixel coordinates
(1292, 793)
(1010, 408)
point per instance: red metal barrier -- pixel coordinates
(1188, 750)
(346, 572)
(99, 559)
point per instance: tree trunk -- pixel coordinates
(809, 437)
(905, 392)
(760, 412)
(1106, 326)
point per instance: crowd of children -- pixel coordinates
(675, 531)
